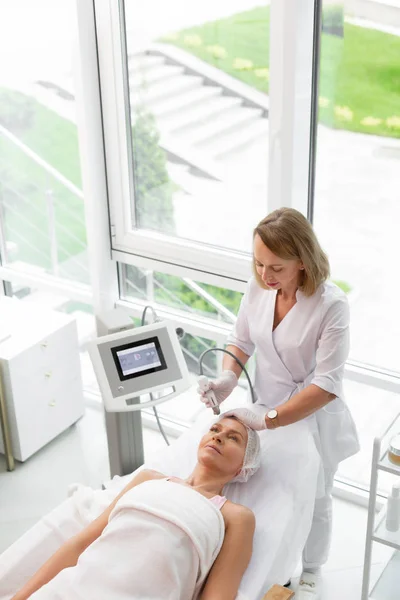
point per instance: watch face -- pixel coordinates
(272, 414)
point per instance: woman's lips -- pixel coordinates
(272, 284)
(213, 448)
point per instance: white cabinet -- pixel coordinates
(40, 369)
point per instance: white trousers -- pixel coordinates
(316, 550)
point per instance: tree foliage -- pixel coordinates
(153, 187)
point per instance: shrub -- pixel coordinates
(153, 188)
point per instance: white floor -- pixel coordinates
(80, 455)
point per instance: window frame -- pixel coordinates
(290, 113)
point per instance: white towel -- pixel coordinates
(160, 544)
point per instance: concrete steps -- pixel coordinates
(162, 90)
(194, 114)
(189, 100)
(139, 78)
(144, 62)
(221, 126)
(238, 140)
(199, 113)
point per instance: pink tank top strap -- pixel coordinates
(218, 501)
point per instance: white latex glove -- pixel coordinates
(222, 387)
(253, 417)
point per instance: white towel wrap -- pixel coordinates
(160, 544)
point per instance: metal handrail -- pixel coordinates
(23, 218)
(173, 296)
(197, 289)
(42, 163)
(18, 235)
(39, 189)
(220, 308)
(59, 179)
(18, 194)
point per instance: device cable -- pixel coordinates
(239, 362)
(160, 427)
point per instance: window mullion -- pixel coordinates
(290, 101)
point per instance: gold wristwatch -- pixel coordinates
(273, 416)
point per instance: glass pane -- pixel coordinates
(357, 208)
(42, 224)
(199, 80)
(374, 411)
(200, 299)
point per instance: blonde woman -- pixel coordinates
(163, 537)
(298, 323)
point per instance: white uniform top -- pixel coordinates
(309, 346)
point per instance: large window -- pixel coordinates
(42, 225)
(192, 112)
(357, 207)
(43, 246)
(199, 114)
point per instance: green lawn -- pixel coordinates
(360, 73)
(24, 185)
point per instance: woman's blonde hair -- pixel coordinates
(288, 234)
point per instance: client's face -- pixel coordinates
(224, 446)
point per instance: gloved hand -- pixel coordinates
(253, 417)
(222, 387)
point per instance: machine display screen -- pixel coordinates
(139, 358)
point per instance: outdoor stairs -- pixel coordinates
(201, 117)
(207, 124)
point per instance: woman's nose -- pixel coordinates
(217, 438)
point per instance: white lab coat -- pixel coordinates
(309, 346)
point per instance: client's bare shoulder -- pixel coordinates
(141, 477)
(239, 516)
(148, 475)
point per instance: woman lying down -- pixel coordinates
(164, 538)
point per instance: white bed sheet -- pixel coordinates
(281, 494)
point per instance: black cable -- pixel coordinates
(145, 311)
(239, 362)
(160, 427)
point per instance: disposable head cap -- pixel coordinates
(252, 455)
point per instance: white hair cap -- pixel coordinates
(252, 455)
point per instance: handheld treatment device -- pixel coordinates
(204, 385)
